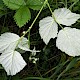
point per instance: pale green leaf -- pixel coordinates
(8, 41)
(65, 16)
(48, 29)
(12, 62)
(68, 41)
(24, 44)
(14, 4)
(22, 16)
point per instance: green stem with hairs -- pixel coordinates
(35, 19)
(32, 23)
(53, 14)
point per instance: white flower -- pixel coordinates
(32, 56)
(33, 52)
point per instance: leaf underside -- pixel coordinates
(68, 41)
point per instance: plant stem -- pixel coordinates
(53, 15)
(62, 71)
(38, 70)
(66, 3)
(32, 23)
(61, 74)
(51, 10)
(73, 4)
(35, 19)
(10, 77)
(29, 39)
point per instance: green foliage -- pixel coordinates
(14, 4)
(3, 76)
(2, 13)
(16, 77)
(22, 16)
(52, 62)
(2, 9)
(36, 78)
(71, 64)
(73, 0)
(34, 4)
(4, 29)
(1, 5)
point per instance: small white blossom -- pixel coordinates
(32, 56)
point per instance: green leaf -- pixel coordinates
(72, 0)
(22, 16)
(16, 77)
(36, 78)
(2, 13)
(14, 4)
(1, 5)
(71, 64)
(4, 29)
(34, 4)
(3, 76)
